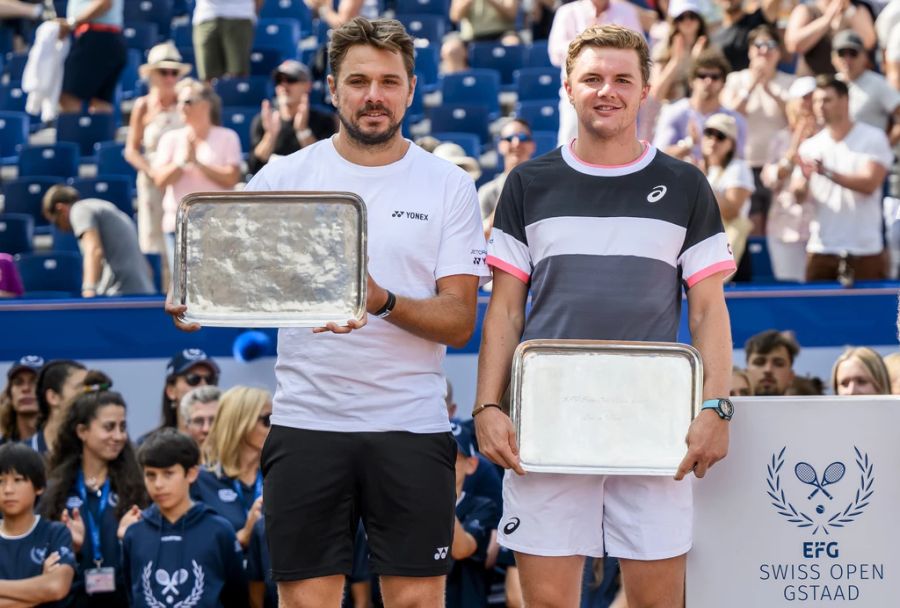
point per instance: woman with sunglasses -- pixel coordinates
(731, 181)
(672, 58)
(201, 156)
(760, 93)
(230, 481)
(153, 115)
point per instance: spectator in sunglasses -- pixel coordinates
(188, 369)
(760, 94)
(813, 25)
(291, 123)
(153, 115)
(230, 480)
(516, 146)
(670, 76)
(198, 409)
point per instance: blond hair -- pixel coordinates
(873, 363)
(383, 34)
(610, 37)
(239, 409)
(203, 91)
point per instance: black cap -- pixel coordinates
(293, 69)
(847, 39)
(187, 359)
(464, 439)
(33, 363)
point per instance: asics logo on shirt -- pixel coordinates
(512, 526)
(441, 553)
(657, 193)
(410, 215)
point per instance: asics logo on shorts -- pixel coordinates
(441, 553)
(657, 193)
(512, 526)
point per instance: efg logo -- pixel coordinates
(813, 550)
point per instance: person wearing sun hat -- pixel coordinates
(153, 115)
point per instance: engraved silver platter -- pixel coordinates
(601, 407)
(271, 259)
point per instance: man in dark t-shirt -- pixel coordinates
(733, 36)
(292, 124)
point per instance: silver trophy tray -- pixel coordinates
(271, 259)
(599, 407)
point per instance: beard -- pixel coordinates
(354, 132)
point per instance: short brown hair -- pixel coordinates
(610, 37)
(710, 59)
(383, 34)
(57, 194)
(765, 342)
(830, 81)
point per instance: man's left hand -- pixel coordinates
(707, 441)
(376, 296)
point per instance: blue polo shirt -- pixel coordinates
(467, 584)
(23, 556)
(226, 496)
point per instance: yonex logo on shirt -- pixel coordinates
(657, 193)
(410, 215)
(441, 553)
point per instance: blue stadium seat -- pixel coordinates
(140, 35)
(537, 84)
(288, 9)
(63, 241)
(480, 87)
(59, 160)
(16, 233)
(541, 115)
(416, 111)
(60, 7)
(467, 141)
(86, 130)
(495, 56)
(320, 30)
(243, 91)
(760, 261)
(263, 61)
(427, 62)
(461, 118)
(425, 27)
(13, 136)
(12, 97)
(544, 141)
(111, 160)
(154, 260)
(58, 271)
(6, 40)
(537, 55)
(441, 8)
(182, 36)
(14, 66)
(239, 119)
(159, 12)
(24, 195)
(279, 34)
(129, 77)
(116, 189)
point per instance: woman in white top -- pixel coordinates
(731, 181)
(153, 115)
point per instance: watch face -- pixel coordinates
(727, 407)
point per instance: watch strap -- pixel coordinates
(714, 404)
(388, 307)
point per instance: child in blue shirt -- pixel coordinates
(36, 559)
(178, 552)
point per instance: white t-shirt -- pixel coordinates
(736, 175)
(846, 220)
(872, 99)
(424, 223)
(207, 10)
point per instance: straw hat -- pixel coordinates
(724, 124)
(455, 154)
(164, 57)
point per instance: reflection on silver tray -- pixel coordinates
(271, 259)
(586, 406)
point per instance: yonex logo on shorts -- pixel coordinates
(411, 215)
(512, 526)
(441, 553)
(657, 193)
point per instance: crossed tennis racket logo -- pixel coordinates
(807, 474)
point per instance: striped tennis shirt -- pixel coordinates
(605, 250)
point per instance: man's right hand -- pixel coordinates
(176, 311)
(497, 439)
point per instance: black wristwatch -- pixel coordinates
(723, 407)
(388, 307)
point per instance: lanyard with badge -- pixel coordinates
(257, 491)
(97, 579)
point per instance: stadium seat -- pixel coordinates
(154, 260)
(85, 130)
(425, 27)
(537, 55)
(56, 271)
(263, 61)
(24, 195)
(427, 62)
(140, 35)
(441, 8)
(6, 40)
(59, 160)
(111, 160)
(12, 97)
(13, 136)
(537, 84)
(63, 241)
(16, 233)
(544, 141)
(116, 189)
(279, 34)
(288, 9)
(541, 115)
(242, 92)
(467, 141)
(416, 111)
(14, 66)
(182, 36)
(461, 118)
(481, 87)
(129, 77)
(495, 56)
(159, 12)
(760, 262)
(239, 119)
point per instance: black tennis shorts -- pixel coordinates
(94, 64)
(318, 484)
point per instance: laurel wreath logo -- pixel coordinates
(842, 517)
(189, 602)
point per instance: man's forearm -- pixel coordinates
(29, 591)
(864, 184)
(711, 333)
(500, 335)
(447, 318)
(92, 267)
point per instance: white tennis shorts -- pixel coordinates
(632, 517)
